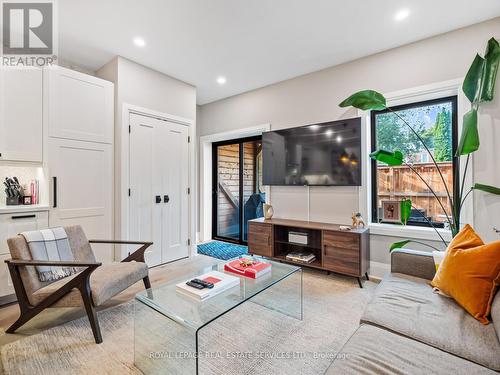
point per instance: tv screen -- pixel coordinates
(326, 154)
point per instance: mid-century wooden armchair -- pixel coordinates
(94, 285)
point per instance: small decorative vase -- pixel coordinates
(268, 211)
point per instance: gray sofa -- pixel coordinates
(408, 329)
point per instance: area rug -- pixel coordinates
(268, 339)
(222, 250)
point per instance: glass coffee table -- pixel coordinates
(167, 324)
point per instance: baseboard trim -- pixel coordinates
(8, 299)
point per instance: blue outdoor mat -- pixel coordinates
(222, 250)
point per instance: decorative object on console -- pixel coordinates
(221, 282)
(248, 267)
(298, 238)
(268, 211)
(478, 87)
(357, 220)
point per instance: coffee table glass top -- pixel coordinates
(195, 314)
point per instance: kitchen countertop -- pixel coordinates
(23, 208)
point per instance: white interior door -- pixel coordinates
(145, 186)
(175, 182)
(82, 189)
(158, 187)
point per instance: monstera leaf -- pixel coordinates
(479, 83)
(487, 188)
(401, 244)
(469, 140)
(390, 158)
(365, 100)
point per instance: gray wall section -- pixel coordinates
(314, 98)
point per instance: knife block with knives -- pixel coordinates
(13, 191)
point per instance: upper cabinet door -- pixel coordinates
(21, 114)
(80, 106)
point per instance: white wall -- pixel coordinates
(143, 87)
(314, 98)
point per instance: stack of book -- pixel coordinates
(220, 281)
(301, 257)
(248, 268)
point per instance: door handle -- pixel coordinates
(166, 199)
(54, 200)
(158, 199)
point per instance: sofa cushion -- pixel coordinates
(105, 282)
(372, 350)
(407, 305)
(495, 314)
(470, 273)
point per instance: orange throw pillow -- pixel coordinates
(470, 273)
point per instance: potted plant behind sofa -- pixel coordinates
(478, 87)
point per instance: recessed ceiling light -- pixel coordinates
(221, 80)
(139, 42)
(329, 132)
(314, 127)
(339, 138)
(402, 15)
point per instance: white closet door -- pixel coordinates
(146, 189)
(21, 114)
(158, 182)
(80, 106)
(175, 182)
(81, 178)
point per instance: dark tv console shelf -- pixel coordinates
(340, 251)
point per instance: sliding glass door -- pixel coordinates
(237, 187)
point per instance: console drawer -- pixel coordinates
(260, 239)
(341, 253)
(341, 240)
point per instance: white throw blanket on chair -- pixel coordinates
(50, 244)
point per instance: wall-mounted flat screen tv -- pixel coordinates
(326, 154)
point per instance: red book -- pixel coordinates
(242, 267)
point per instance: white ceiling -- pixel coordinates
(253, 43)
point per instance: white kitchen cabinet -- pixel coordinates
(80, 106)
(21, 104)
(81, 179)
(12, 224)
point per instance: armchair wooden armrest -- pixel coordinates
(137, 255)
(80, 281)
(55, 263)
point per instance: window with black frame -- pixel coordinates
(435, 121)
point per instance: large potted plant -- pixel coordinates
(478, 87)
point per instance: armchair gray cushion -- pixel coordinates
(105, 282)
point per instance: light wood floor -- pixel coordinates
(53, 317)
